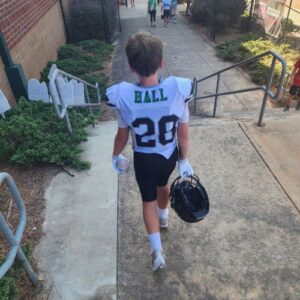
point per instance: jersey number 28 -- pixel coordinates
(165, 135)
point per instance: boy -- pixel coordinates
(295, 86)
(166, 7)
(156, 113)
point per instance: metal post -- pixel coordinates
(216, 96)
(250, 15)
(104, 21)
(88, 97)
(98, 95)
(268, 86)
(195, 94)
(287, 18)
(5, 230)
(14, 239)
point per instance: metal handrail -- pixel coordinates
(57, 99)
(14, 240)
(266, 88)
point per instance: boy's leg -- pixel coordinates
(163, 196)
(152, 226)
(150, 216)
(162, 205)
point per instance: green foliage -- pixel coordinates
(287, 25)
(227, 12)
(32, 135)
(83, 58)
(87, 21)
(251, 45)
(8, 284)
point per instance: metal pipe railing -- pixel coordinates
(14, 240)
(266, 88)
(58, 100)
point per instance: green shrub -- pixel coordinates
(33, 135)
(198, 11)
(228, 12)
(251, 45)
(84, 58)
(287, 25)
(86, 21)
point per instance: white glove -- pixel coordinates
(184, 168)
(120, 163)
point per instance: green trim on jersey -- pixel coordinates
(145, 97)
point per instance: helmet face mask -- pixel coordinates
(189, 199)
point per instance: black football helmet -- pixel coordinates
(189, 199)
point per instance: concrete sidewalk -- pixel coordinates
(95, 246)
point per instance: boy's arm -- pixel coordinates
(183, 139)
(121, 140)
(184, 167)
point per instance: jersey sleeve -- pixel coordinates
(186, 114)
(121, 121)
(185, 87)
(112, 96)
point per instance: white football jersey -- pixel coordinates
(152, 112)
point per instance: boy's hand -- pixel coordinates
(184, 168)
(120, 163)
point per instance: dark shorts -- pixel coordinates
(152, 171)
(166, 13)
(295, 90)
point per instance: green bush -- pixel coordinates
(8, 284)
(84, 58)
(198, 11)
(228, 12)
(33, 135)
(86, 21)
(287, 25)
(251, 45)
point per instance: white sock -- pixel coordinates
(163, 213)
(155, 241)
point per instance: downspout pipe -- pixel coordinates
(64, 20)
(14, 72)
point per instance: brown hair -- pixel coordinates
(144, 53)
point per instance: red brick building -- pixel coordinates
(33, 31)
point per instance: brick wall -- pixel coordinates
(18, 17)
(39, 44)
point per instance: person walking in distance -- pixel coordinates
(132, 3)
(156, 113)
(173, 10)
(188, 4)
(152, 11)
(294, 86)
(166, 7)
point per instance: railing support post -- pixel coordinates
(14, 239)
(216, 96)
(195, 94)
(268, 86)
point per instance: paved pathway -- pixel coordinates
(95, 245)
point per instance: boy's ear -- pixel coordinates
(131, 69)
(161, 64)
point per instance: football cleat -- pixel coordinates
(158, 260)
(163, 223)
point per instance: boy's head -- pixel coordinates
(144, 53)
